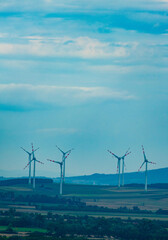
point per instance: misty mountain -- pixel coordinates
(154, 176)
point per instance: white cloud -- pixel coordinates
(150, 17)
(58, 130)
(111, 68)
(6, 48)
(147, 68)
(83, 47)
(27, 95)
(80, 5)
(3, 35)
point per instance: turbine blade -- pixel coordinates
(152, 162)
(69, 151)
(60, 149)
(141, 166)
(51, 160)
(127, 150)
(143, 152)
(25, 150)
(54, 161)
(36, 149)
(32, 147)
(127, 154)
(28, 164)
(38, 161)
(113, 154)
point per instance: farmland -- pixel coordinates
(101, 196)
(27, 213)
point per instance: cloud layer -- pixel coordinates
(28, 95)
(83, 47)
(85, 74)
(80, 5)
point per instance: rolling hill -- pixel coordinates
(154, 176)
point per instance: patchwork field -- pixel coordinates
(152, 200)
(83, 212)
(102, 196)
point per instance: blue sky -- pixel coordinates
(91, 75)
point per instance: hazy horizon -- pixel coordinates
(53, 174)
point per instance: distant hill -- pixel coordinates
(154, 176)
(14, 181)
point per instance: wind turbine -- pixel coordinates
(146, 169)
(123, 165)
(29, 161)
(61, 173)
(34, 170)
(118, 164)
(64, 156)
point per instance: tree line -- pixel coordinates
(66, 203)
(65, 226)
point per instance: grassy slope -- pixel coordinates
(102, 195)
(23, 229)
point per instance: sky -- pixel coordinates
(89, 75)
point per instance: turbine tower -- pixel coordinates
(123, 165)
(118, 164)
(146, 168)
(61, 173)
(64, 156)
(29, 161)
(34, 170)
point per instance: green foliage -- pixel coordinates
(67, 227)
(9, 228)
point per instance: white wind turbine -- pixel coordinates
(64, 156)
(34, 170)
(123, 165)
(61, 173)
(118, 164)
(29, 161)
(146, 169)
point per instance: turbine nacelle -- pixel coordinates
(29, 153)
(145, 159)
(64, 156)
(118, 165)
(119, 158)
(64, 153)
(26, 151)
(34, 159)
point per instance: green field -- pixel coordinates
(106, 196)
(20, 229)
(83, 211)
(102, 195)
